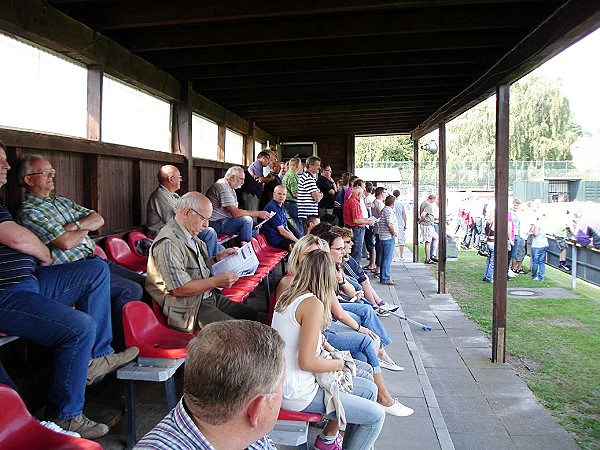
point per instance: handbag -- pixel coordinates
(483, 249)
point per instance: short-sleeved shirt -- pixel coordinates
(388, 216)
(177, 431)
(399, 209)
(352, 210)
(325, 186)
(15, 266)
(269, 229)
(160, 208)
(426, 206)
(256, 170)
(47, 216)
(221, 195)
(307, 184)
(290, 181)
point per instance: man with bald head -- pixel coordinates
(276, 229)
(161, 207)
(179, 270)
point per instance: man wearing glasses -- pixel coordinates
(161, 207)
(226, 217)
(328, 188)
(179, 271)
(63, 226)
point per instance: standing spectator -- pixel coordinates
(309, 194)
(231, 391)
(353, 217)
(387, 236)
(435, 206)
(269, 187)
(378, 205)
(261, 174)
(328, 188)
(561, 227)
(369, 233)
(426, 220)
(290, 181)
(283, 168)
(311, 223)
(161, 207)
(400, 211)
(275, 229)
(539, 248)
(226, 216)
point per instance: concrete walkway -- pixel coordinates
(461, 399)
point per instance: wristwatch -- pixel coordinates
(77, 224)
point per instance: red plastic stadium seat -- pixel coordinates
(132, 238)
(99, 251)
(20, 431)
(158, 313)
(118, 251)
(284, 414)
(154, 340)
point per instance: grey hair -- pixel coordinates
(228, 364)
(25, 164)
(187, 201)
(234, 171)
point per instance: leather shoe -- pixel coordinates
(104, 365)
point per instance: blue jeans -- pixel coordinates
(358, 238)
(366, 316)
(538, 263)
(242, 226)
(364, 415)
(209, 236)
(294, 223)
(40, 311)
(387, 253)
(488, 270)
(360, 346)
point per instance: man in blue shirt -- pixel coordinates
(276, 230)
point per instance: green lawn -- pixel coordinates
(553, 343)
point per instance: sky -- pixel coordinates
(578, 68)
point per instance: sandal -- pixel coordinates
(369, 268)
(389, 283)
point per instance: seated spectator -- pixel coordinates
(302, 311)
(231, 391)
(226, 216)
(161, 207)
(179, 271)
(64, 226)
(35, 304)
(320, 228)
(330, 218)
(275, 229)
(311, 222)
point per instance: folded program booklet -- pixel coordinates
(244, 262)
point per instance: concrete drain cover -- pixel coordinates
(522, 293)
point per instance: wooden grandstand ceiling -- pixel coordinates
(304, 68)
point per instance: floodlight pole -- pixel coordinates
(501, 224)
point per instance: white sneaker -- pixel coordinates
(398, 409)
(387, 307)
(511, 274)
(382, 312)
(52, 426)
(390, 366)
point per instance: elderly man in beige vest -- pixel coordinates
(179, 275)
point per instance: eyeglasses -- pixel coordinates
(202, 218)
(177, 176)
(46, 173)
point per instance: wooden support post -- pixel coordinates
(415, 226)
(501, 225)
(442, 209)
(222, 131)
(182, 138)
(94, 103)
(249, 144)
(92, 197)
(350, 152)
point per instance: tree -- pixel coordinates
(371, 149)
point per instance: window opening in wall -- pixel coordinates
(41, 91)
(133, 117)
(258, 146)
(234, 147)
(205, 138)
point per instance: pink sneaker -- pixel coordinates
(335, 445)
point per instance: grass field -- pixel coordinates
(553, 343)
